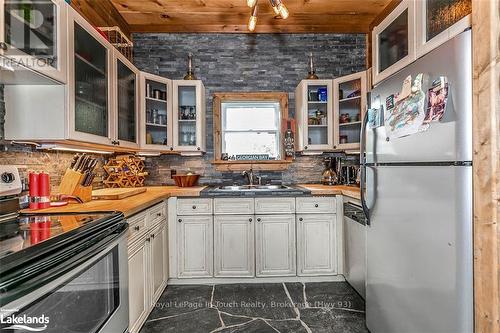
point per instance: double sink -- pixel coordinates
(253, 188)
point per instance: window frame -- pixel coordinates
(219, 98)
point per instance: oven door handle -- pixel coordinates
(19, 288)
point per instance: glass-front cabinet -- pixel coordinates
(126, 85)
(314, 116)
(91, 117)
(33, 34)
(156, 113)
(189, 116)
(349, 109)
(394, 41)
(439, 20)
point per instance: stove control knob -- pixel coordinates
(8, 177)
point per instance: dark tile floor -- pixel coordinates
(260, 308)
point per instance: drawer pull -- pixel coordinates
(259, 219)
(316, 205)
(194, 207)
(153, 236)
(148, 239)
(249, 220)
(159, 214)
(180, 220)
(301, 219)
(137, 228)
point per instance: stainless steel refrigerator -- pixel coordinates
(419, 197)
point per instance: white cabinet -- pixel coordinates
(275, 245)
(233, 206)
(316, 244)
(234, 246)
(138, 279)
(195, 246)
(155, 113)
(349, 109)
(34, 34)
(274, 205)
(189, 117)
(314, 114)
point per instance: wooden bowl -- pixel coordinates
(186, 180)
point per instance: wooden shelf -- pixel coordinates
(317, 126)
(317, 102)
(186, 120)
(156, 125)
(156, 100)
(269, 165)
(352, 123)
(349, 99)
(91, 65)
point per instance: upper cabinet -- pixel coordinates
(349, 109)
(89, 84)
(313, 112)
(439, 21)
(155, 113)
(414, 28)
(33, 34)
(189, 116)
(394, 41)
(126, 86)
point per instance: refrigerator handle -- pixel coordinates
(362, 160)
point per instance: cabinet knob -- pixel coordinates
(316, 205)
(259, 219)
(148, 239)
(180, 220)
(3, 46)
(301, 219)
(153, 236)
(198, 148)
(306, 147)
(335, 147)
(159, 214)
(171, 148)
(194, 207)
(137, 228)
(249, 220)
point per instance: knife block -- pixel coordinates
(71, 185)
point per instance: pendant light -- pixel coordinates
(251, 3)
(277, 5)
(252, 22)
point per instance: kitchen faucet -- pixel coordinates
(250, 177)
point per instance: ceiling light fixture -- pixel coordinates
(277, 5)
(252, 22)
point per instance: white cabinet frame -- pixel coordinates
(410, 57)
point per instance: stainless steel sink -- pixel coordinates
(253, 188)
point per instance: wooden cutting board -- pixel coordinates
(116, 193)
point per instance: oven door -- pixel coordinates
(93, 297)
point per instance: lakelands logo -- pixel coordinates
(24, 322)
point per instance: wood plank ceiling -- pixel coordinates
(341, 16)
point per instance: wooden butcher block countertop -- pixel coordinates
(318, 189)
(129, 206)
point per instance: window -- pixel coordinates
(251, 130)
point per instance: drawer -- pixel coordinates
(194, 207)
(234, 206)
(137, 226)
(274, 205)
(320, 205)
(156, 214)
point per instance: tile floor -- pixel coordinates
(260, 308)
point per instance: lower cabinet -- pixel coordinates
(195, 246)
(275, 245)
(159, 260)
(316, 245)
(234, 246)
(138, 277)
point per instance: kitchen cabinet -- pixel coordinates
(126, 102)
(439, 21)
(275, 245)
(349, 109)
(195, 246)
(147, 261)
(394, 41)
(138, 284)
(316, 244)
(234, 245)
(189, 130)
(34, 34)
(155, 113)
(314, 114)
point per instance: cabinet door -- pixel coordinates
(316, 248)
(91, 118)
(275, 245)
(158, 262)
(138, 278)
(195, 246)
(394, 41)
(314, 115)
(126, 89)
(155, 113)
(189, 116)
(34, 34)
(349, 109)
(234, 245)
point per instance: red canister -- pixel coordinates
(34, 190)
(44, 190)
